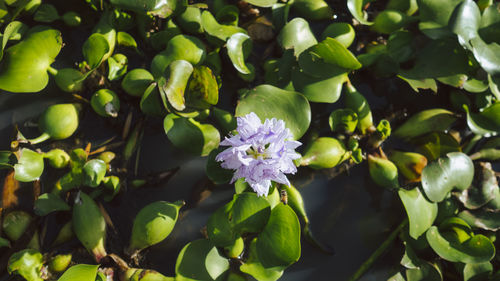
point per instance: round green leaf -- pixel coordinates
(325, 90)
(29, 166)
(250, 213)
(434, 16)
(174, 84)
(421, 213)
(24, 66)
(278, 245)
(477, 271)
(262, 3)
(200, 260)
(313, 9)
(94, 172)
(482, 191)
(137, 81)
(324, 152)
(340, 31)
(202, 89)
(161, 8)
(191, 135)
(270, 102)
(27, 263)
(456, 170)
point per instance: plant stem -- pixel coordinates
(472, 143)
(52, 71)
(380, 250)
(43, 137)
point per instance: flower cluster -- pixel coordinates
(260, 153)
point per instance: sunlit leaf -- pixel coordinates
(200, 260)
(48, 203)
(421, 213)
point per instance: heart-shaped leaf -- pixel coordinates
(191, 135)
(200, 260)
(421, 213)
(278, 245)
(29, 166)
(271, 102)
(25, 65)
(48, 203)
(325, 90)
(439, 177)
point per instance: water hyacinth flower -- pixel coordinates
(260, 153)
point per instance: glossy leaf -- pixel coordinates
(249, 213)
(435, 145)
(441, 176)
(324, 152)
(296, 35)
(161, 8)
(465, 21)
(219, 229)
(356, 9)
(482, 218)
(434, 16)
(271, 102)
(476, 249)
(325, 90)
(95, 49)
(482, 191)
(340, 31)
(219, 31)
(214, 171)
(486, 122)
(137, 81)
(117, 65)
(200, 260)
(426, 272)
(430, 120)
(29, 166)
(239, 46)
(80, 272)
(173, 85)
(27, 263)
(94, 172)
(202, 90)
(24, 66)
(190, 20)
(262, 3)
(313, 9)
(13, 29)
(477, 271)
(278, 245)
(383, 172)
(48, 203)
(191, 135)
(421, 212)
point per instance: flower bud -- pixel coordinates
(59, 263)
(383, 172)
(357, 102)
(323, 153)
(58, 158)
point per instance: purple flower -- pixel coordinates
(260, 153)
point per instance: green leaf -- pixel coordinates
(151, 102)
(439, 58)
(137, 81)
(271, 102)
(239, 46)
(160, 8)
(191, 135)
(426, 272)
(250, 213)
(126, 40)
(254, 267)
(314, 88)
(278, 245)
(219, 230)
(70, 80)
(173, 84)
(5, 159)
(200, 260)
(29, 166)
(95, 49)
(190, 20)
(456, 170)
(383, 172)
(12, 30)
(423, 122)
(483, 218)
(465, 22)
(356, 9)
(343, 120)
(262, 3)
(313, 9)
(486, 122)
(341, 31)
(477, 271)
(27, 263)
(297, 35)
(94, 172)
(24, 66)
(416, 84)
(46, 13)
(80, 272)
(435, 145)
(219, 31)
(4, 243)
(117, 65)
(202, 90)
(476, 249)
(214, 171)
(329, 55)
(48, 203)
(434, 16)
(324, 152)
(180, 47)
(421, 213)
(482, 191)
(490, 23)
